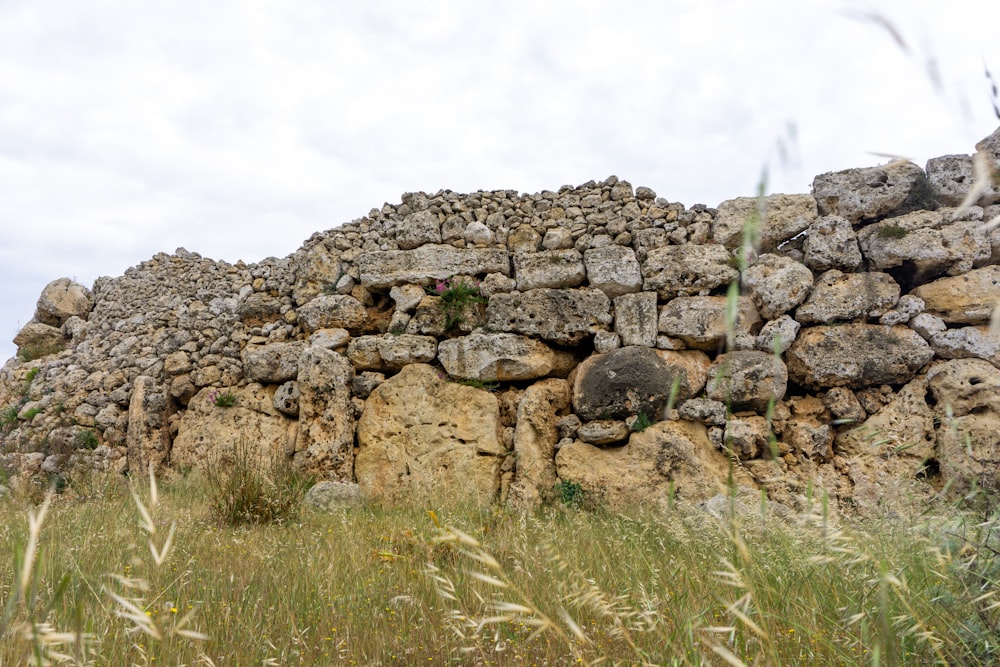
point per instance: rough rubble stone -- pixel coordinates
(613, 269)
(747, 380)
(272, 364)
(536, 433)
(549, 268)
(428, 263)
(390, 352)
(688, 270)
(148, 440)
(420, 435)
(330, 496)
(700, 321)
(966, 299)
(603, 432)
(286, 398)
(856, 355)
(777, 284)
(838, 296)
(36, 339)
(496, 357)
(967, 342)
(777, 335)
(873, 192)
(317, 269)
(331, 339)
(406, 297)
(965, 386)
(911, 239)
(333, 311)
(831, 243)
(844, 405)
(562, 316)
(325, 437)
(951, 177)
(418, 229)
(780, 218)
(747, 437)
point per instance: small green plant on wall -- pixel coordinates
(222, 399)
(457, 294)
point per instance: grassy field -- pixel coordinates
(110, 581)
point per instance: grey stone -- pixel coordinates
(496, 357)
(623, 382)
(365, 382)
(856, 355)
(557, 238)
(927, 325)
(747, 380)
(418, 229)
(687, 270)
(777, 284)
(332, 311)
(636, 318)
(700, 321)
(831, 243)
(406, 297)
(62, 299)
(330, 496)
(477, 234)
(613, 269)
(779, 218)
(390, 352)
(271, 364)
(605, 341)
(428, 263)
(838, 296)
(603, 432)
(704, 410)
(777, 335)
(286, 398)
(549, 268)
(563, 316)
(966, 342)
(325, 438)
(873, 192)
(906, 308)
(747, 437)
(330, 338)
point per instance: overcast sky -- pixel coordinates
(238, 128)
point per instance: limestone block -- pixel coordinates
(905, 426)
(838, 296)
(407, 297)
(62, 299)
(331, 339)
(747, 437)
(777, 335)
(700, 321)
(258, 309)
(780, 217)
(388, 352)
(968, 245)
(968, 451)
(844, 405)
(967, 342)
(856, 355)
(928, 325)
(666, 462)
(37, 339)
(613, 269)
(563, 316)
(535, 436)
(704, 410)
(557, 238)
(912, 238)
(809, 439)
(633, 380)
(906, 309)
(965, 386)
(747, 380)
(636, 318)
(496, 357)
(428, 263)
(873, 192)
(603, 432)
(418, 229)
(420, 436)
(325, 439)
(777, 284)
(687, 270)
(317, 269)
(605, 341)
(286, 398)
(271, 364)
(831, 243)
(211, 435)
(549, 268)
(331, 311)
(965, 299)
(478, 235)
(524, 239)
(951, 177)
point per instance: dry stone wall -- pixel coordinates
(496, 344)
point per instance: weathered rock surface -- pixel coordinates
(966, 299)
(275, 363)
(636, 318)
(325, 437)
(331, 311)
(498, 357)
(838, 296)
(777, 284)
(873, 192)
(549, 268)
(687, 270)
(700, 321)
(330, 496)
(780, 217)
(420, 435)
(831, 244)
(423, 265)
(62, 299)
(562, 316)
(747, 380)
(613, 269)
(535, 438)
(856, 355)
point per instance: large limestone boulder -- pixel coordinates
(831, 243)
(700, 321)
(36, 339)
(535, 438)
(838, 296)
(951, 177)
(777, 284)
(496, 357)
(780, 217)
(428, 263)
(966, 299)
(562, 316)
(390, 352)
(272, 364)
(330, 311)
(967, 342)
(148, 437)
(856, 355)
(259, 308)
(613, 269)
(965, 386)
(968, 452)
(873, 192)
(62, 299)
(325, 439)
(316, 269)
(420, 435)
(687, 270)
(417, 229)
(924, 243)
(550, 268)
(211, 435)
(631, 380)
(747, 380)
(671, 460)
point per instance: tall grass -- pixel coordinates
(481, 586)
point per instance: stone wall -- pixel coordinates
(496, 344)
